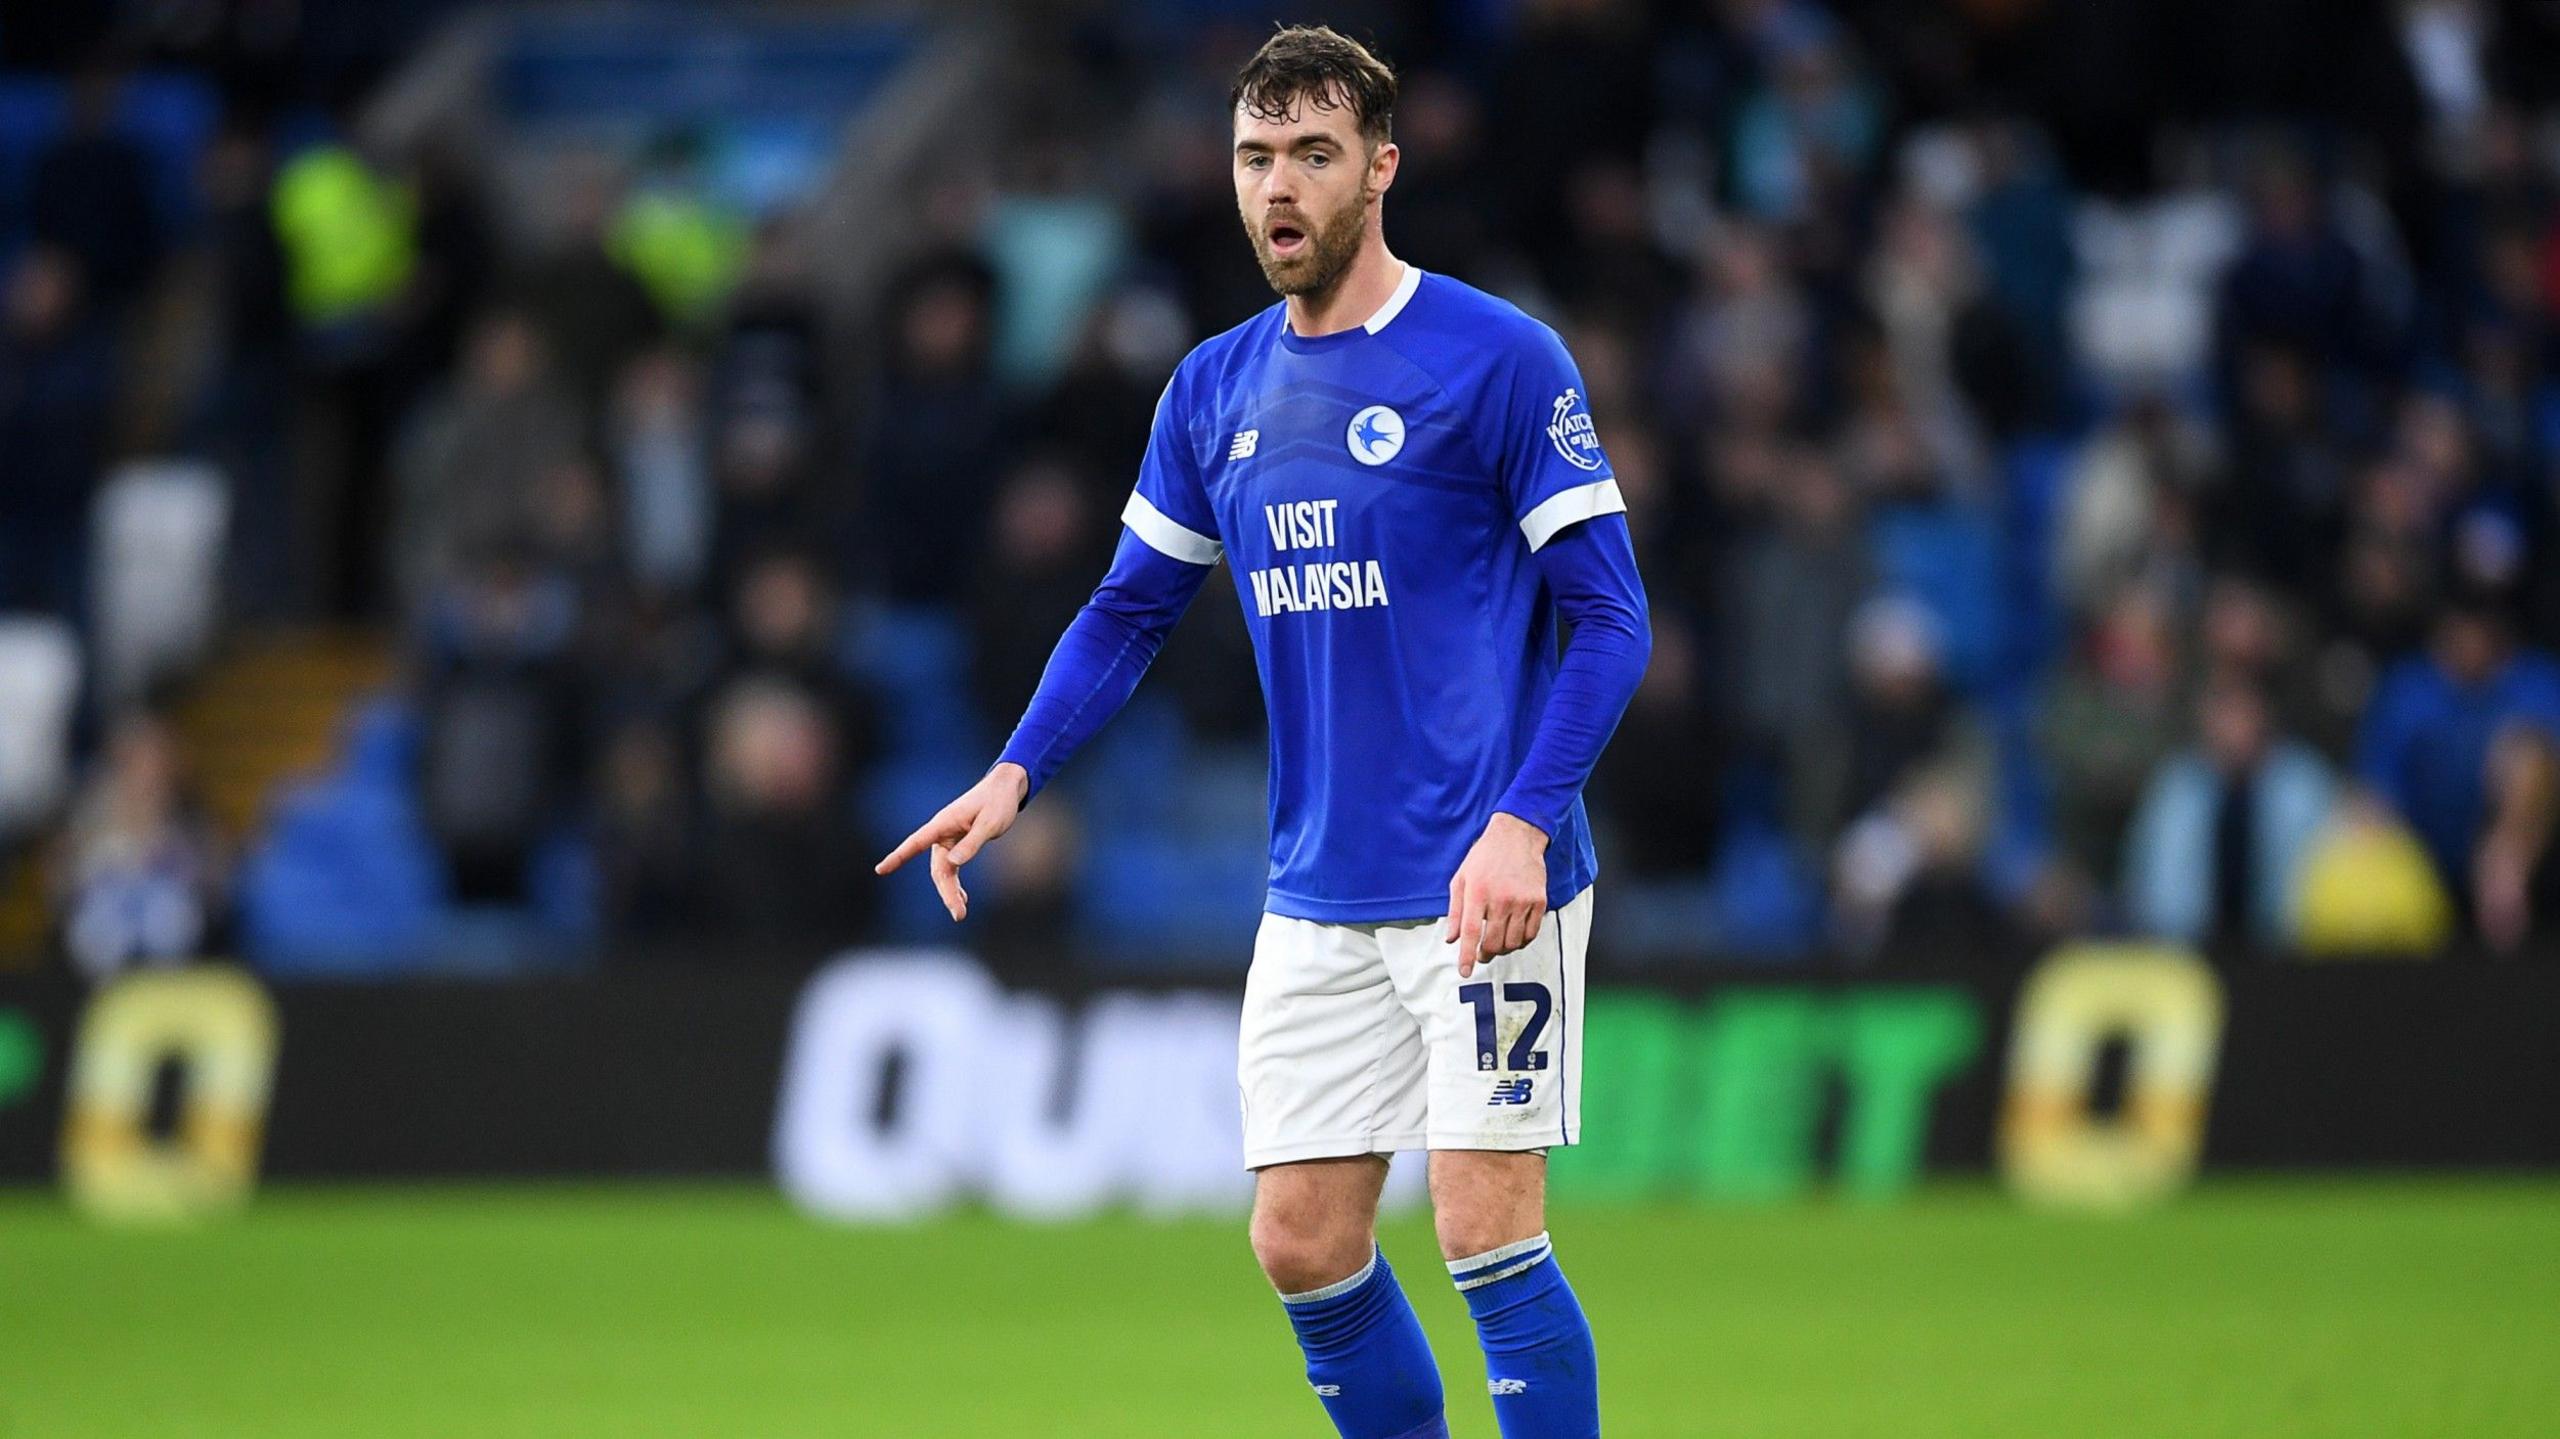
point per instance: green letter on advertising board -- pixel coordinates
(21, 1057)
(1728, 1102)
(1898, 1047)
(1634, 1119)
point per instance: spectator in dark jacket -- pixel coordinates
(783, 627)
(783, 872)
(1040, 567)
(500, 706)
(594, 315)
(931, 458)
(57, 381)
(1655, 788)
(92, 195)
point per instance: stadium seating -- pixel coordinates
(170, 115)
(345, 880)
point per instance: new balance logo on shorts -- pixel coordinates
(1510, 1091)
(1328, 1391)
(1508, 1386)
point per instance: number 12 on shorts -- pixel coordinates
(1524, 1051)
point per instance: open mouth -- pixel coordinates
(1287, 240)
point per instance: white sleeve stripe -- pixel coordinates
(1571, 507)
(1167, 536)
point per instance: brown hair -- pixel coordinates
(1325, 69)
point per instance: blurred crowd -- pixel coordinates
(2096, 467)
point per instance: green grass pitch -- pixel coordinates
(2251, 1309)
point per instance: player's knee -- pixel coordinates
(1467, 1230)
(1481, 1202)
(1300, 1256)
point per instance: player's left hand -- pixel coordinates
(1498, 898)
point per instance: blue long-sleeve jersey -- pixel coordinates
(1410, 509)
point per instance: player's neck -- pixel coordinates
(1363, 290)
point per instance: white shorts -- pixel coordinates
(1361, 1039)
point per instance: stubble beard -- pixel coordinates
(1330, 250)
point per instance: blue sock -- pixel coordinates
(1538, 1358)
(1367, 1358)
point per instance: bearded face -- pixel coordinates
(1305, 255)
(1306, 182)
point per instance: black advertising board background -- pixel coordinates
(2389, 1064)
(666, 1073)
(31, 1119)
(676, 1072)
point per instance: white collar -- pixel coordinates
(1396, 302)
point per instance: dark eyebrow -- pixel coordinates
(1303, 142)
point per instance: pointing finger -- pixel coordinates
(931, 832)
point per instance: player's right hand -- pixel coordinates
(964, 827)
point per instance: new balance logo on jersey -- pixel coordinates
(1510, 1091)
(1242, 446)
(1328, 1391)
(1507, 1386)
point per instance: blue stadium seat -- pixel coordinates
(687, 65)
(1947, 556)
(2033, 472)
(1166, 896)
(916, 659)
(1184, 879)
(345, 882)
(1766, 905)
(171, 115)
